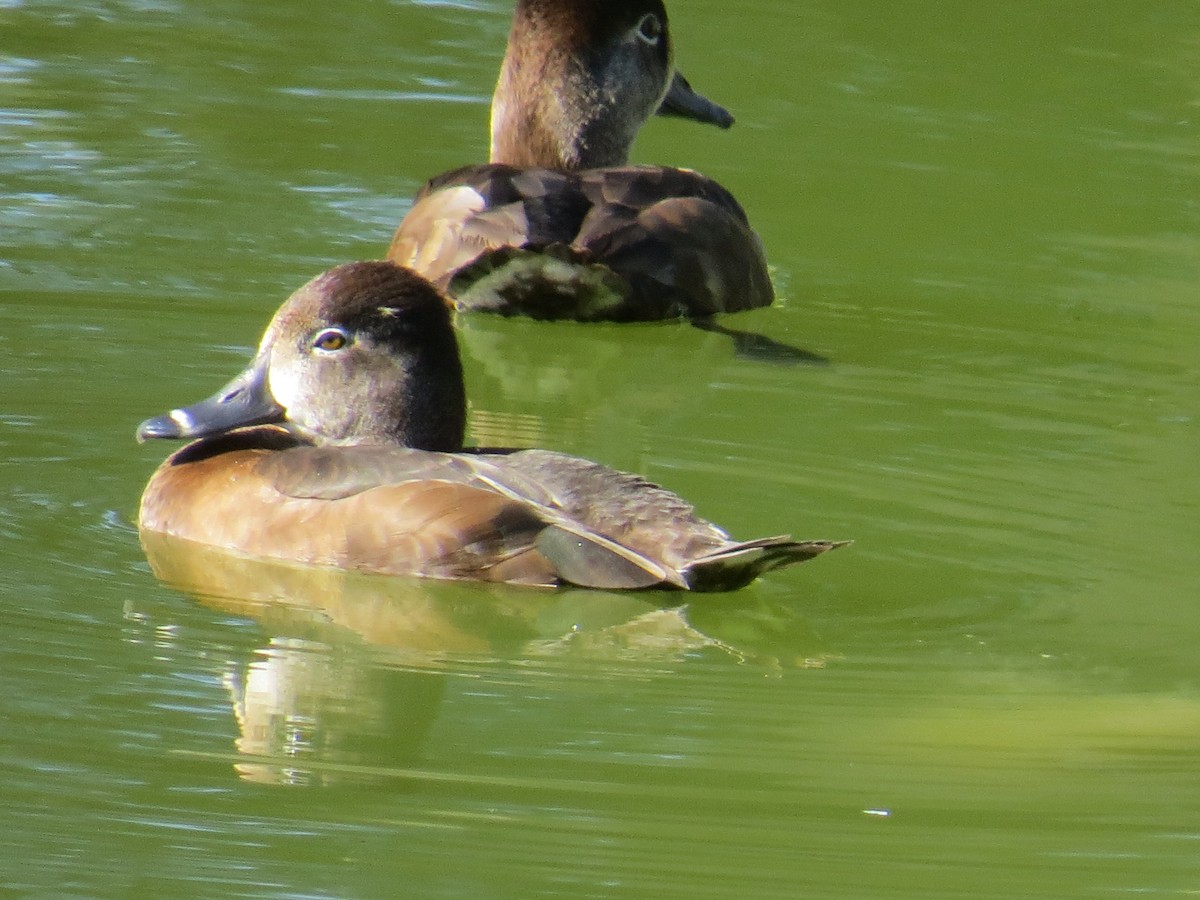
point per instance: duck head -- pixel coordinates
(362, 354)
(579, 79)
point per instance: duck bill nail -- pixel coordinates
(681, 100)
(244, 401)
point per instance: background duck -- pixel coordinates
(557, 225)
(341, 445)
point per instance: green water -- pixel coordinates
(986, 215)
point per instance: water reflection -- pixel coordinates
(352, 676)
(598, 388)
(311, 713)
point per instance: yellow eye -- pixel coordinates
(330, 340)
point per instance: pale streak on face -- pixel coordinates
(283, 381)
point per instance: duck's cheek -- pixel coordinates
(286, 386)
(310, 407)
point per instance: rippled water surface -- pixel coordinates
(987, 216)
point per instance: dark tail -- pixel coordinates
(736, 565)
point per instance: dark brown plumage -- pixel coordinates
(341, 445)
(558, 225)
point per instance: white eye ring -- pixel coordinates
(330, 340)
(649, 29)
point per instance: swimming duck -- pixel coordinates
(342, 445)
(557, 225)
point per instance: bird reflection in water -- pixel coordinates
(309, 713)
(354, 673)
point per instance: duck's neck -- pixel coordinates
(430, 420)
(547, 112)
(429, 408)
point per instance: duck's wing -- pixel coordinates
(620, 505)
(642, 518)
(463, 214)
(454, 516)
(640, 187)
(680, 239)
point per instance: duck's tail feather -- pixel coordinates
(587, 559)
(736, 565)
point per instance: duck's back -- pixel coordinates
(622, 244)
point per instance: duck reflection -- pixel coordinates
(353, 675)
(424, 623)
(605, 388)
(309, 712)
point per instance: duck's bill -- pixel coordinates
(682, 101)
(244, 401)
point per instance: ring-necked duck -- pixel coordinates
(557, 225)
(341, 445)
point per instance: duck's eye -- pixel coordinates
(330, 340)
(650, 29)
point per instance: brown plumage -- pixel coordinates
(557, 225)
(341, 445)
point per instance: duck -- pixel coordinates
(342, 445)
(557, 224)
